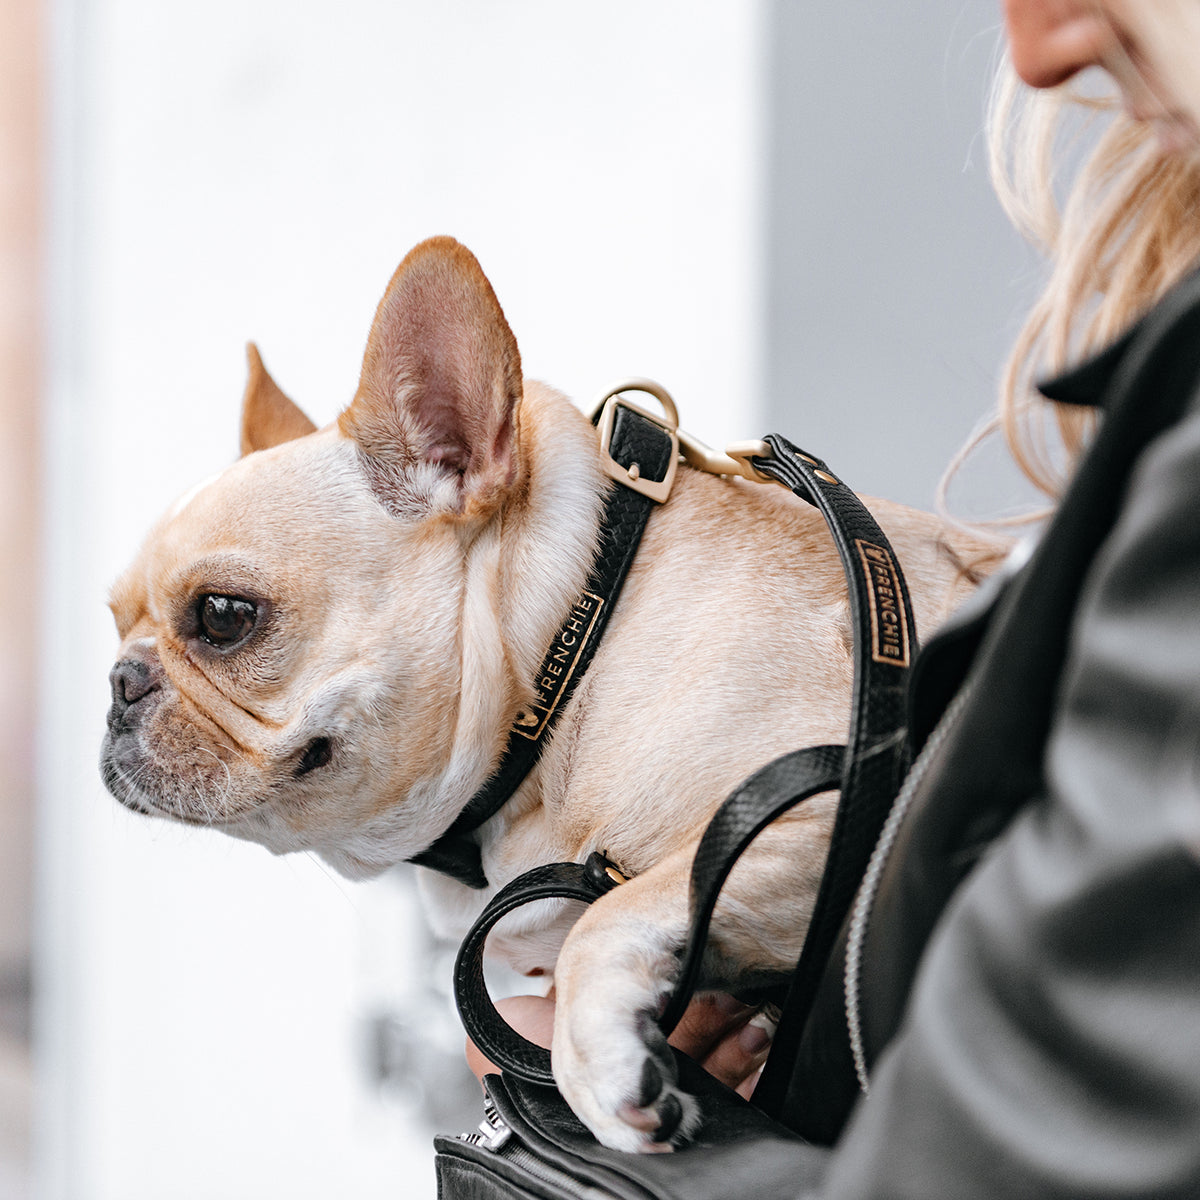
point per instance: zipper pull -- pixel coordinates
(493, 1131)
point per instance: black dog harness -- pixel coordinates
(640, 453)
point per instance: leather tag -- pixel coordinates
(559, 665)
(889, 628)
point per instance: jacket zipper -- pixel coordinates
(1000, 581)
(865, 898)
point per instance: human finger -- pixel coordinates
(737, 1058)
(706, 1022)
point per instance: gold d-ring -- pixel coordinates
(651, 388)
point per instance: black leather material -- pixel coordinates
(826, 1083)
(867, 771)
(740, 1152)
(634, 440)
(466, 1172)
(767, 794)
(1049, 1043)
(498, 1041)
(995, 760)
(876, 746)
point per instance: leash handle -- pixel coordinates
(767, 794)
(484, 1025)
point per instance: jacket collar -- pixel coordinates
(1088, 383)
(945, 659)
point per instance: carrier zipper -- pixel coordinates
(865, 898)
(497, 1136)
(566, 1184)
(493, 1132)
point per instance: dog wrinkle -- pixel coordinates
(217, 687)
(192, 714)
(127, 601)
(191, 709)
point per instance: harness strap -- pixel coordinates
(868, 770)
(644, 450)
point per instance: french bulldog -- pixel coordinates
(324, 647)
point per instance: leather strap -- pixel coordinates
(766, 795)
(635, 439)
(484, 1025)
(868, 770)
(877, 755)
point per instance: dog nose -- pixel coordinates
(131, 679)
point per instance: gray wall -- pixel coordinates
(894, 282)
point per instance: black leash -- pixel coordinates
(868, 770)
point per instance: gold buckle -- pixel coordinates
(657, 490)
(735, 460)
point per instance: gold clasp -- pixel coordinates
(734, 461)
(655, 489)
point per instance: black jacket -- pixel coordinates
(1030, 971)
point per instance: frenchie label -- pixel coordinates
(559, 665)
(889, 628)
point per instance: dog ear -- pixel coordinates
(441, 381)
(268, 416)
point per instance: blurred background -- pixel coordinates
(779, 210)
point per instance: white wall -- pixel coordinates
(255, 169)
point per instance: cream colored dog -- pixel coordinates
(324, 647)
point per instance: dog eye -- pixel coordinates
(225, 620)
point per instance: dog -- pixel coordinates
(324, 648)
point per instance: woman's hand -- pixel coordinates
(716, 1031)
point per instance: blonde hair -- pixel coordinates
(1128, 229)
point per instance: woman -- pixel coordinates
(1049, 1042)
(1025, 994)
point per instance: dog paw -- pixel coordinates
(619, 1078)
